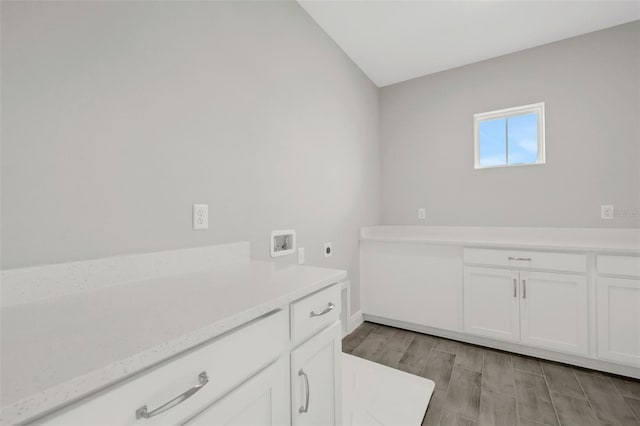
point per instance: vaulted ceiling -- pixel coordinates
(393, 41)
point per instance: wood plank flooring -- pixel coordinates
(479, 386)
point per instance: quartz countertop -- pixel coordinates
(574, 239)
(58, 350)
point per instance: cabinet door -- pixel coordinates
(261, 401)
(316, 388)
(554, 311)
(414, 283)
(491, 303)
(619, 320)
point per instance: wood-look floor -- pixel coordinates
(482, 386)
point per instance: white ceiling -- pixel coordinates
(393, 41)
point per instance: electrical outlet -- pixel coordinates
(422, 213)
(606, 211)
(300, 256)
(200, 216)
(328, 249)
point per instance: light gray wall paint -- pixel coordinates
(118, 116)
(591, 88)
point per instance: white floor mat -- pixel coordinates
(374, 394)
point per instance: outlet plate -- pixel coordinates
(301, 256)
(422, 213)
(606, 211)
(327, 249)
(200, 216)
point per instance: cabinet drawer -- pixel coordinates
(227, 361)
(619, 265)
(569, 262)
(314, 313)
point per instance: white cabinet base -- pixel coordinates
(263, 400)
(619, 320)
(555, 312)
(316, 386)
(412, 282)
(491, 303)
(227, 361)
(580, 361)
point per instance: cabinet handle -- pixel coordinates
(328, 309)
(515, 287)
(524, 289)
(305, 407)
(528, 259)
(142, 413)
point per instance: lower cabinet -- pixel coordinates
(583, 304)
(316, 371)
(178, 390)
(246, 377)
(413, 283)
(554, 312)
(619, 319)
(546, 310)
(263, 400)
(491, 303)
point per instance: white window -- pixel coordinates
(509, 137)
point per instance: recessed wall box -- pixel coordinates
(283, 242)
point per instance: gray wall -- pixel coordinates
(118, 116)
(591, 88)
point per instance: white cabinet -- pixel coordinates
(619, 319)
(565, 262)
(491, 304)
(249, 376)
(263, 400)
(570, 302)
(316, 387)
(554, 312)
(618, 296)
(413, 283)
(315, 312)
(175, 391)
(512, 303)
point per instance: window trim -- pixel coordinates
(537, 108)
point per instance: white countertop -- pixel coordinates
(574, 239)
(57, 350)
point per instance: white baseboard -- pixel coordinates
(355, 321)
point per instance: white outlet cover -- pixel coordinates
(327, 249)
(200, 216)
(422, 213)
(301, 256)
(606, 211)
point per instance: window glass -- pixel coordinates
(522, 139)
(493, 138)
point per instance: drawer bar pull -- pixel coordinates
(528, 259)
(142, 413)
(328, 309)
(305, 408)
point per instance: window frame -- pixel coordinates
(537, 108)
